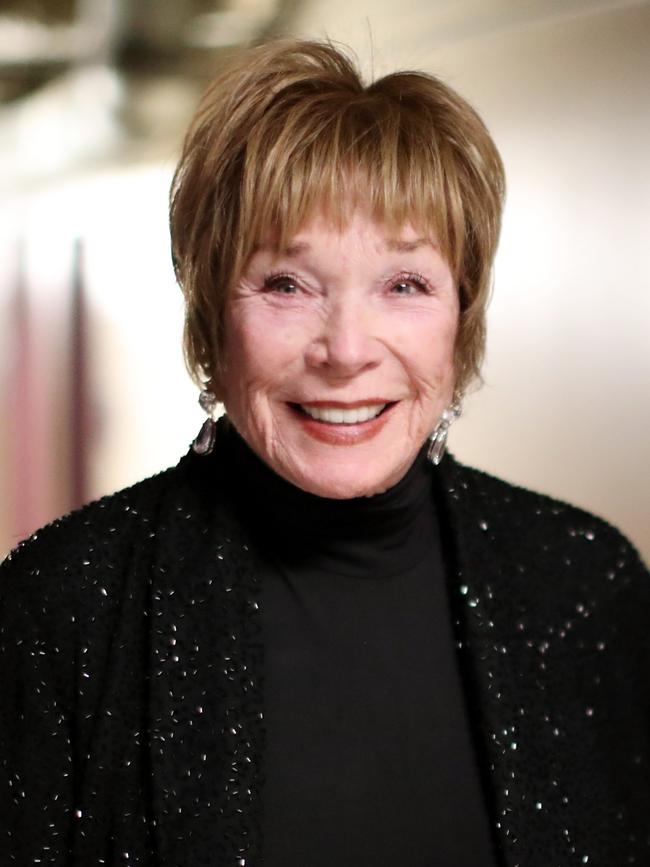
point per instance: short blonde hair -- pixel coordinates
(289, 129)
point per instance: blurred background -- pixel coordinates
(94, 99)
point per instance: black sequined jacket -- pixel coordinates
(131, 719)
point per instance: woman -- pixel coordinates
(318, 640)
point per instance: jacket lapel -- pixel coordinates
(205, 698)
(482, 622)
(524, 605)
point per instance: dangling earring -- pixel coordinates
(204, 443)
(438, 439)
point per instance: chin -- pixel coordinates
(342, 491)
(346, 484)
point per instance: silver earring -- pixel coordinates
(204, 443)
(438, 439)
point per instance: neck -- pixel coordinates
(365, 536)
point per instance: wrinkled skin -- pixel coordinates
(340, 318)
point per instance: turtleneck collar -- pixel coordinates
(370, 537)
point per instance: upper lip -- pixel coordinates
(342, 404)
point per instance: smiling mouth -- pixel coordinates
(342, 415)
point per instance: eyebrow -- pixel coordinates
(290, 250)
(298, 247)
(408, 246)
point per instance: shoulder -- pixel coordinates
(68, 586)
(532, 515)
(113, 545)
(107, 523)
(538, 570)
(537, 533)
(79, 566)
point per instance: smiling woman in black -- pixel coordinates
(319, 641)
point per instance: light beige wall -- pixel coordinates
(566, 404)
(565, 408)
(142, 405)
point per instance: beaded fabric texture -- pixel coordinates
(131, 723)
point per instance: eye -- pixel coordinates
(410, 284)
(282, 284)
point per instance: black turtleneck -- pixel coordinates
(369, 759)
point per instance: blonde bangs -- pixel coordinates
(333, 160)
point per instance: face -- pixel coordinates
(339, 354)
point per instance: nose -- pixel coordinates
(347, 343)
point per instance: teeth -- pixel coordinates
(344, 416)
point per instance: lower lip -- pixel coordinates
(343, 434)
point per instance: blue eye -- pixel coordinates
(283, 284)
(411, 284)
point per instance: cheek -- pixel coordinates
(258, 351)
(445, 350)
(256, 331)
(428, 348)
(248, 342)
(238, 358)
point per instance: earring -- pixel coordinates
(204, 443)
(438, 439)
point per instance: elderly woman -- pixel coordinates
(318, 640)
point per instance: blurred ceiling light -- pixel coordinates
(24, 41)
(242, 21)
(71, 120)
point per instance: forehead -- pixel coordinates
(358, 227)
